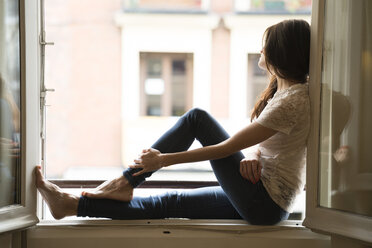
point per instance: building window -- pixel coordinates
(166, 84)
(273, 6)
(163, 5)
(257, 81)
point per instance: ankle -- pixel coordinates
(124, 182)
(73, 204)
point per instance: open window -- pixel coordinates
(324, 212)
(339, 163)
(123, 72)
(19, 112)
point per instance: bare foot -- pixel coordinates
(117, 189)
(61, 204)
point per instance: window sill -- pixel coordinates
(226, 224)
(181, 233)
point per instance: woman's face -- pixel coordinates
(262, 61)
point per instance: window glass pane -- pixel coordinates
(346, 119)
(153, 105)
(154, 67)
(273, 6)
(10, 122)
(163, 4)
(154, 87)
(257, 81)
(179, 87)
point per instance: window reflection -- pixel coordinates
(9, 102)
(346, 120)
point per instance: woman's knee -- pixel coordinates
(197, 113)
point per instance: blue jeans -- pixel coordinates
(235, 198)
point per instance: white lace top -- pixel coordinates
(283, 155)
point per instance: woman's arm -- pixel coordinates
(152, 159)
(249, 136)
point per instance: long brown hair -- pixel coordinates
(287, 52)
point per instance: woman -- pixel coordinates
(260, 188)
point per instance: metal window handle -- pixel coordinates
(42, 41)
(43, 93)
(47, 43)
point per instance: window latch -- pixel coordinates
(43, 93)
(44, 43)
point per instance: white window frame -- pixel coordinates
(23, 215)
(325, 220)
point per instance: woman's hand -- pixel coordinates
(250, 167)
(10, 148)
(149, 160)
